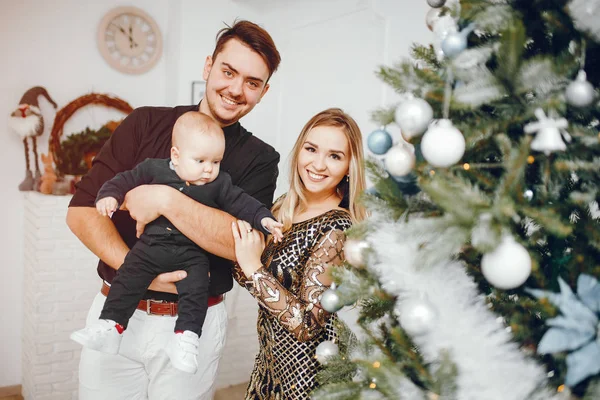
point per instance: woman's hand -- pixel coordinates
(249, 245)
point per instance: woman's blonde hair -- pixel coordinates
(295, 199)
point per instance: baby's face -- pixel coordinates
(200, 158)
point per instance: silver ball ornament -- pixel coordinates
(413, 116)
(443, 145)
(330, 300)
(528, 194)
(580, 93)
(325, 350)
(417, 316)
(436, 3)
(454, 44)
(508, 266)
(355, 252)
(399, 160)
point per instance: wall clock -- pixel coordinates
(129, 40)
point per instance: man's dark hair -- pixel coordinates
(252, 36)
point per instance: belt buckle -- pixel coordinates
(149, 304)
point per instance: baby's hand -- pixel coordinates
(274, 227)
(107, 205)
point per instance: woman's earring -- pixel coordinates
(347, 178)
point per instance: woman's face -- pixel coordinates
(324, 159)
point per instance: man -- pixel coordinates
(237, 76)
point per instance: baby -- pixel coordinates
(198, 144)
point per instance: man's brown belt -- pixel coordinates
(161, 307)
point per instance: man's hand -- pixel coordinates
(166, 282)
(145, 203)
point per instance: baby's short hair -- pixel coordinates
(195, 123)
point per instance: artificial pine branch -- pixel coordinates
(445, 378)
(510, 53)
(384, 116)
(338, 391)
(427, 55)
(549, 220)
(456, 196)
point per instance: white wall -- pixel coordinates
(330, 50)
(53, 44)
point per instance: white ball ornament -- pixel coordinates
(580, 93)
(355, 252)
(508, 266)
(417, 316)
(325, 350)
(433, 16)
(330, 300)
(400, 160)
(413, 116)
(443, 145)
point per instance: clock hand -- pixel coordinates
(120, 28)
(132, 44)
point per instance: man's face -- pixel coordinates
(236, 81)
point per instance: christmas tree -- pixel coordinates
(476, 276)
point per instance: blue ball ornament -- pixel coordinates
(379, 141)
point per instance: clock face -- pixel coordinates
(129, 40)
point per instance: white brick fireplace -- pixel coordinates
(60, 281)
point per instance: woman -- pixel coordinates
(327, 175)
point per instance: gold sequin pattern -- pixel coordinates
(291, 323)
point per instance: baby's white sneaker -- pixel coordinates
(182, 349)
(103, 335)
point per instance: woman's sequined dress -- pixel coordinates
(291, 323)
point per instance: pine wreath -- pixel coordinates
(70, 154)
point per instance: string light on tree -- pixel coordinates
(400, 160)
(436, 3)
(417, 315)
(325, 350)
(413, 116)
(379, 141)
(580, 93)
(508, 266)
(443, 145)
(549, 133)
